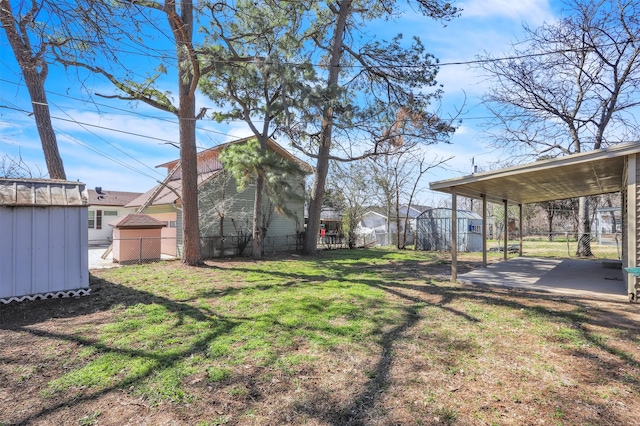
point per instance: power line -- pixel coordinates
(89, 147)
(107, 142)
(129, 112)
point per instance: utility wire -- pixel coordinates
(89, 147)
(106, 141)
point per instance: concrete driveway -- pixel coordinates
(563, 276)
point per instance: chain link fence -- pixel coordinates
(227, 246)
(127, 251)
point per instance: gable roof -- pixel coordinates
(137, 221)
(216, 150)
(168, 195)
(412, 211)
(589, 173)
(111, 198)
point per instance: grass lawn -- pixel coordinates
(361, 337)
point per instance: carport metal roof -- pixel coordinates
(583, 174)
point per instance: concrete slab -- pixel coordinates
(563, 276)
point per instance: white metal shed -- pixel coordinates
(43, 239)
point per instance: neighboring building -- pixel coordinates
(608, 224)
(104, 208)
(223, 210)
(43, 239)
(330, 220)
(434, 230)
(137, 239)
(376, 219)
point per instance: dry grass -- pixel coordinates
(374, 337)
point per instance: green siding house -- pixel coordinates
(225, 213)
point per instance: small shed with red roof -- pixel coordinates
(137, 238)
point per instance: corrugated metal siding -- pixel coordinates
(44, 252)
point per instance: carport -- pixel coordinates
(608, 170)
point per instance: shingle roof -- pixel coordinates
(166, 195)
(137, 221)
(111, 198)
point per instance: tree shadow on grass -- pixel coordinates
(413, 294)
(21, 318)
(570, 312)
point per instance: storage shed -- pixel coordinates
(433, 230)
(137, 238)
(43, 244)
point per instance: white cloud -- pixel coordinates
(531, 11)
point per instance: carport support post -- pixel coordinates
(520, 228)
(454, 235)
(506, 228)
(632, 224)
(484, 230)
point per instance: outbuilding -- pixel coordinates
(434, 226)
(137, 238)
(604, 171)
(43, 244)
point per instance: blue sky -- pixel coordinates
(114, 133)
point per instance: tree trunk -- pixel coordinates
(550, 223)
(399, 242)
(34, 79)
(192, 252)
(41, 113)
(584, 228)
(310, 243)
(221, 236)
(257, 218)
(614, 228)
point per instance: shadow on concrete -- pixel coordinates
(569, 277)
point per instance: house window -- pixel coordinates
(173, 224)
(95, 219)
(110, 213)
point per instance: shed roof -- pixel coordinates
(42, 192)
(590, 173)
(137, 221)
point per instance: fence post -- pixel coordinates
(140, 252)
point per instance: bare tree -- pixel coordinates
(557, 209)
(354, 182)
(30, 41)
(570, 86)
(397, 178)
(12, 168)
